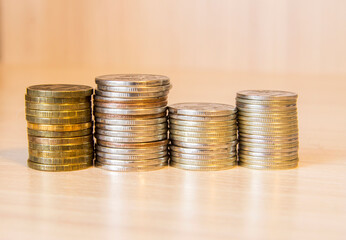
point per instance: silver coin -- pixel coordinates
(202, 118)
(144, 111)
(141, 145)
(277, 116)
(131, 156)
(202, 109)
(243, 110)
(197, 162)
(259, 167)
(268, 150)
(203, 140)
(269, 137)
(132, 80)
(133, 151)
(219, 157)
(245, 157)
(203, 145)
(136, 128)
(130, 169)
(136, 89)
(130, 122)
(268, 124)
(203, 134)
(207, 151)
(232, 128)
(267, 95)
(268, 141)
(266, 102)
(274, 128)
(129, 117)
(130, 95)
(215, 167)
(215, 124)
(131, 105)
(130, 134)
(268, 145)
(131, 140)
(243, 151)
(129, 100)
(132, 163)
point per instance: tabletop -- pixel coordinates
(308, 202)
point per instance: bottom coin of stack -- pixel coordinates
(268, 129)
(131, 122)
(59, 127)
(203, 136)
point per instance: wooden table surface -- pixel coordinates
(304, 203)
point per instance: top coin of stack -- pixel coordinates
(203, 136)
(59, 127)
(131, 123)
(268, 129)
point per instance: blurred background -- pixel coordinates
(209, 49)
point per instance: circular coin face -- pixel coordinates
(202, 109)
(59, 90)
(132, 80)
(266, 95)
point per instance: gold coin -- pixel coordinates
(143, 145)
(61, 141)
(59, 128)
(51, 100)
(58, 107)
(50, 121)
(52, 134)
(60, 154)
(59, 90)
(59, 168)
(129, 117)
(68, 147)
(261, 167)
(62, 160)
(117, 168)
(216, 167)
(58, 114)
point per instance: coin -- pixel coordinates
(59, 128)
(130, 95)
(202, 118)
(59, 91)
(231, 128)
(131, 122)
(57, 107)
(203, 163)
(53, 121)
(130, 169)
(98, 98)
(138, 89)
(198, 151)
(58, 114)
(132, 163)
(203, 168)
(135, 128)
(260, 167)
(211, 157)
(140, 145)
(212, 145)
(51, 100)
(132, 80)
(54, 134)
(138, 111)
(202, 109)
(206, 134)
(264, 102)
(57, 168)
(58, 148)
(133, 151)
(267, 95)
(202, 140)
(131, 140)
(130, 134)
(202, 124)
(60, 154)
(129, 117)
(131, 105)
(60, 141)
(131, 156)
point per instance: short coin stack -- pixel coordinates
(131, 122)
(60, 128)
(203, 136)
(268, 129)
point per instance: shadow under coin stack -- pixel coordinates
(59, 122)
(203, 136)
(268, 129)
(131, 122)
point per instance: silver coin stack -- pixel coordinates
(268, 129)
(131, 122)
(203, 136)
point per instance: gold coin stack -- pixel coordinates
(268, 129)
(131, 123)
(203, 136)
(60, 128)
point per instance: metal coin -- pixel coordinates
(267, 95)
(271, 107)
(138, 111)
(51, 100)
(218, 157)
(268, 145)
(131, 105)
(58, 114)
(268, 124)
(282, 160)
(131, 156)
(52, 121)
(269, 133)
(243, 151)
(202, 118)
(62, 160)
(59, 90)
(272, 128)
(142, 145)
(268, 141)
(130, 134)
(137, 128)
(130, 169)
(203, 134)
(259, 167)
(59, 128)
(138, 89)
(60, 141)
(197, 162)
(203, 140)
(131, 140)
(204, 145)
(129, 100)
(269, 137)
(266, 103)
(202, 109)
(60, 134)
(198, 151)
(132, 163)
(131, 122)
(131, 95)
(203, 168)
(58, 168)
(215, 124)
(43, 147)
(132, 80)
(60, 154)
(281, 116)
(58, 107)
(129, 117)
(134, 151)
(232, 128)
(268, 150)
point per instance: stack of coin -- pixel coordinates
(59, 121)
(131, 123)
(268, 129)
(203, 136)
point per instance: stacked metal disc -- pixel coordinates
(268, 129)
(131, 122)
(59, 121)
(203, 136)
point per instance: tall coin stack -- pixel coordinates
(59, 121)
(131, 123)
(203, 136)
(268, 129)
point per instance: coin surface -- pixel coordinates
(59, 148)
(216, 167)
(60, 141)
(130, 95)
(266, 95)
(131, 105)
(131, 122)
(135, 89)
(133, 163)
(129, 117)
(131, 151)
(136, 100)
(51, 100)
(130, 169)
(52, 121)
(130, 134)
(153, 138)
(59, 90)
(59, 128)
(132, 80)
(141, 145)
(202, 109)
(57, 107)
(134, 128)
(62, 160)
(58, 114)
(59, 168)
(132, 157)
(202, 118)
(137, 111)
